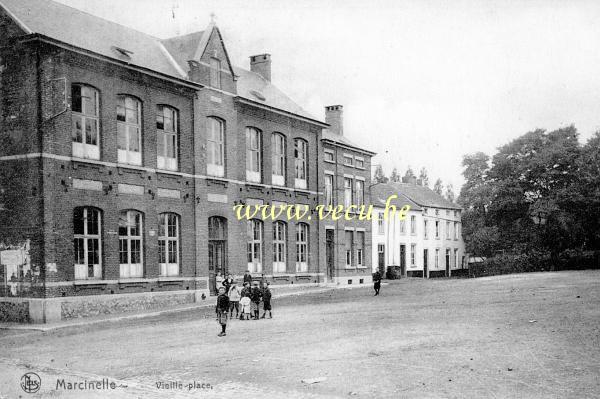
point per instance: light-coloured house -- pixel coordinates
(422, 242)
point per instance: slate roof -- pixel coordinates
(424, 197)
(336, 138)
(381, 192)
(166, 56)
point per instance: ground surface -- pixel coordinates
(530, 335)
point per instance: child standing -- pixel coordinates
(245, 302)
(234, 300)
(221, 309)
(255, 295)
(266, 295)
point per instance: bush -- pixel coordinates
(535, 261)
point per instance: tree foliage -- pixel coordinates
(379, 176)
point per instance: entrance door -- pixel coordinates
(425, 258)
(217, 250)
(381, 258)
(403, 260)
(447, 262)
(329, 254)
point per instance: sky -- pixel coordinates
(422, 82)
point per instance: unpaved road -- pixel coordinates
(527, 336)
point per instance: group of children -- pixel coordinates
(245, 302)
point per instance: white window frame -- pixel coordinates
(301, 248)
(167, 135)
(360, 248)
(413, 225)
(89, 146)
(253, 155)
(413, 254)
(447, 230)
(456, 258)
(359, 193)
(348, 160)
(425, 229)
(437, 229)
(168, 244)
(254, 250)
(130, 269)
(349, 251)
(348, 191)
(357, 160)
(329, 184)
(127, 155)
(215, 147)
(300, 163)
(456, 230)
(82, 270)
(279, 247)
(278, 150)
(437, 258)
(380, 223)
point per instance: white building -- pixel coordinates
(425, 241)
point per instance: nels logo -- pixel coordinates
(31, 382)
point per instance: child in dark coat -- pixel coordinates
(255, 295)
(266, 295)
(222, 309)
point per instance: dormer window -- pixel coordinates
(215, 73)
(122, 52)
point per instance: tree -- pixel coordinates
(423, 177)
(395, 176)
(438, 187)
(379, 176)
(449, 193)
(409, 173)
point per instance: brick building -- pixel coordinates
(346, 177)
(122, 157)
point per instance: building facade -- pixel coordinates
(425, 241)
(346, 177)
(122, 159)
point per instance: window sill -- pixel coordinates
(170, 278)
(132, 280)
(361, 267)
(91, 282)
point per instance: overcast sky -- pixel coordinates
(422, 82)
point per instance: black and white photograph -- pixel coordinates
(299, 199)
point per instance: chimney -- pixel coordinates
(261, 64)
(334, 116)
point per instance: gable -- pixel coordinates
(9, 27)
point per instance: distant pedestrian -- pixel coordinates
(248, 277)
(255, 295)
(377, 282)
(221, 309)
(266, 296)
(227, 282)
(234, 300)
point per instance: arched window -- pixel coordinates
(85, 112)
(129, 130)
(215, 147)
(87, 243)
(279, 247)
(255, 242)
(131, 244)
(302, 247)
(167, 123)
(168, 244)
(253, 155)
(301, 156)
(278, 152)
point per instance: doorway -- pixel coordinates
(217, 250)
(402, 260)
(329, 254)
(425, 259)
